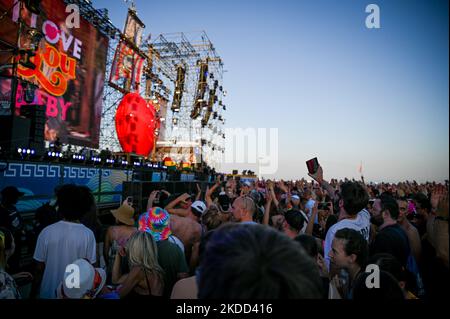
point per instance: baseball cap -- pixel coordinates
(199, 207)
(91, 282)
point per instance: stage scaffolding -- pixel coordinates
(164, 54)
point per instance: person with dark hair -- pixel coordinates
(310, 245)
(349, 254)
(63, 242)
(423, 212)
(90, 218)
(293, 223)
(11, 219)
(353, 214)
(251, 261)
(390, 264)
(390, 238)
(389, 288)
(46, 215)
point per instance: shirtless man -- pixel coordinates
(184, 223)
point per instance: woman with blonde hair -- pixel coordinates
(145, 279)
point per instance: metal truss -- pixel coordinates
(191, 50)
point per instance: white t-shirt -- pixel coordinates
(57, 246)
(361, 223)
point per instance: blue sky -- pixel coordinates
(332, 87)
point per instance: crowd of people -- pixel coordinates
(238, 240)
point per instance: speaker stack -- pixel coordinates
(36, 115)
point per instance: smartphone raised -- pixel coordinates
(312, 165)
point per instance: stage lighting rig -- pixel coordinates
(52, 155)
(78, 158)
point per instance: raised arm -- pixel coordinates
(199, 192)
(310, 227)
(210, 191)
(267, 208)
(171, 206)
(272, 192)
(151, 199)
(318, 177)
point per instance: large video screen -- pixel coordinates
(70, 69)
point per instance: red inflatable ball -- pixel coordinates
(135, 124)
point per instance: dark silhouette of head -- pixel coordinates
(243, 261)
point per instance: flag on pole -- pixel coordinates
(360, 168)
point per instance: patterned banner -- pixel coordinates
(126, 71)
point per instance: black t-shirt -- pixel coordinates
(392, 240)
(10, 218)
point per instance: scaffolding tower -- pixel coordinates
(190, 51)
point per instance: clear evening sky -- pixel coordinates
(332, 87)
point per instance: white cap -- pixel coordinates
(199, 206)
(295, 197)
(91, 281)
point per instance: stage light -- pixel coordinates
(53, 154)
(19, 150)
(28, 151)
